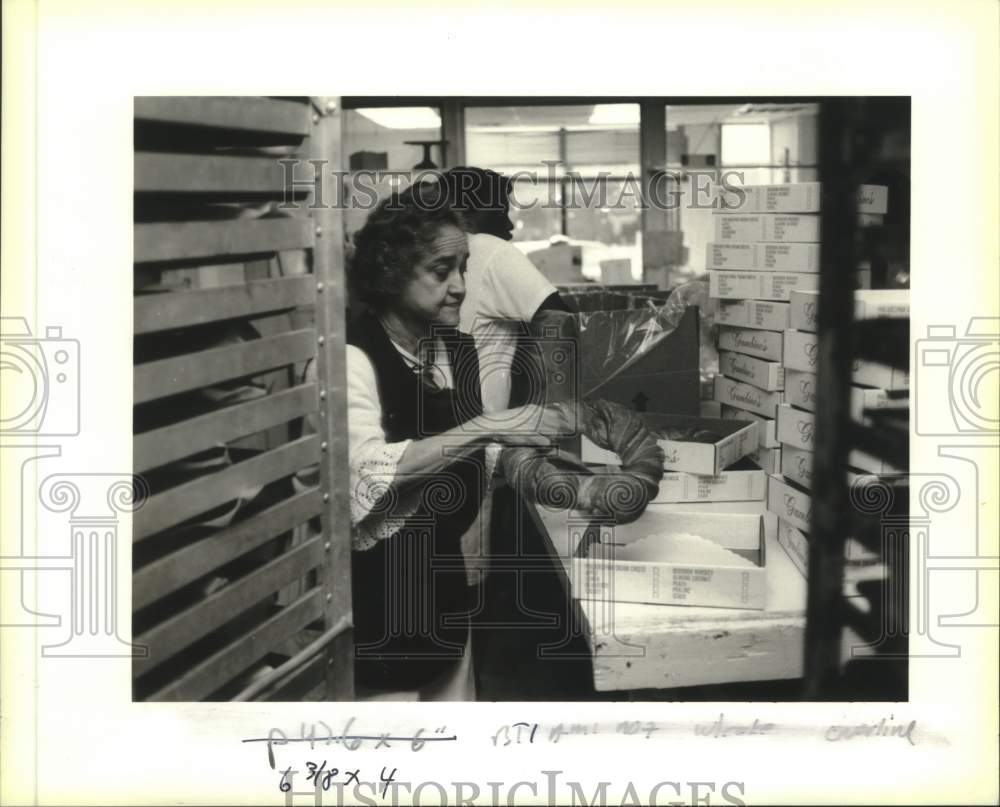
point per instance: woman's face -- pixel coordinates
(435, 292)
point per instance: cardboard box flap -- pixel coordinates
(733, 439)
(676, 558)
(734, 531)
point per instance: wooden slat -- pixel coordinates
(271, 115)
(157, 172)
(221, 667)
(158, 312)
(160, 446)
(202, 494)
(177, 569)
(305, 680)
(158, 379)
(173, 635)
(184, 240)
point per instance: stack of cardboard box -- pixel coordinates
(873, 386)
(766, 246)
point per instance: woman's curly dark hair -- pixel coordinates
(393, 239)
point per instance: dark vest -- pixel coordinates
(410, 596)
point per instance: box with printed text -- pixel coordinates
(767, 459)
(746, 396)
(767, 315)
(766, 427)
(796, 427)
(795, 197)
(768, 375)
(725, 284)
(789, 502)
(767, 345)
(794, 228)
(747, 256)
(801, 351)
(868, 304)
(675, 559)
(695, 445)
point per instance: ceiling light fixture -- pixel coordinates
(402, 117)
(615, 114)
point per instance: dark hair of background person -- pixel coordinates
(483, 196)
(390, 245)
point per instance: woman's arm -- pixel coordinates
(523, 425)
(380, 468)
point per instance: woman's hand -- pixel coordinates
(531, 424)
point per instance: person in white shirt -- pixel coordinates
(506, 295)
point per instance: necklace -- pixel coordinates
(401, 336)
(425, 368)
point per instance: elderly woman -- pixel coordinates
(418, 451)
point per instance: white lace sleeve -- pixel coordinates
(376, 511)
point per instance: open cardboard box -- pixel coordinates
(606, 565)
(735, 439)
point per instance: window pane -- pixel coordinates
(746, 144)
(597, 145)
(535, 212)
(375, 141)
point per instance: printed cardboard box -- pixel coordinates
(753, 256)
(653, 561)
(796, 465)
(801, 351)
(741, 482)
(726, 284)
(767, 429)
(767, 227)
(863, 398)
(788, 197)
(761, 314)
(868, 304)
(870, 374)
(796, 427)
(795, 197)
(767, 459)
(803, 307)
(789, 502)
(705, 446)
(800, 389)
(768, 375)
(746, 396)
(767, 345)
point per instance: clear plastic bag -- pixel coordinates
(626, 336)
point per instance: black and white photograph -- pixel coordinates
(521, 399)
(465, 404)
